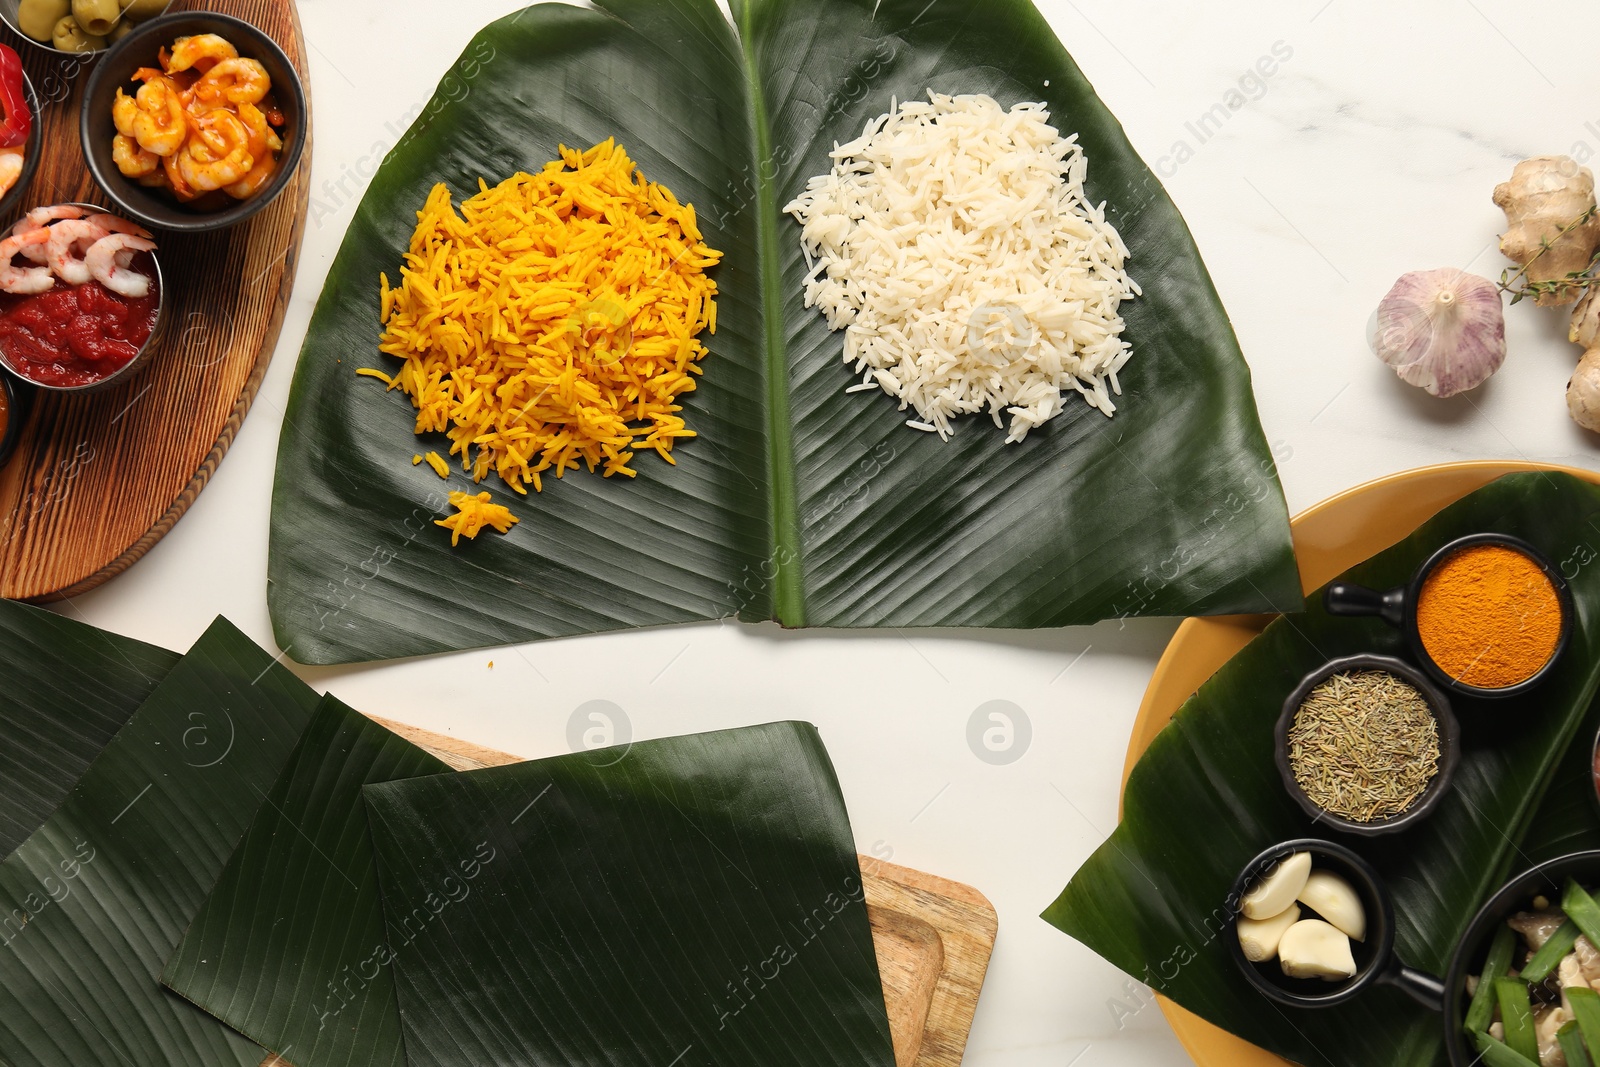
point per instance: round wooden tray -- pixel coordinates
(98, 479)
(1329, 538)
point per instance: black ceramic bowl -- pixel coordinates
(157, 208)
(17, 398)
(1398, 607)
(1375, 958)
(15, 196)
(1547, 879)
(8, 14)
(1449, 745)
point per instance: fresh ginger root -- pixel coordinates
(1583, 389)
(1546, 196)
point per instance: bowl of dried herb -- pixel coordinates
(1367, 745)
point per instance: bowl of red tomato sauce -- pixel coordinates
(80, 297)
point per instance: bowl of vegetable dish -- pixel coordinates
(1521, 990)
(81, 295)
(193, 122)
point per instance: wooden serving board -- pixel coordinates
(933, 936)
(98, 479)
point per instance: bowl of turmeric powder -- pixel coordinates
(1487, 615)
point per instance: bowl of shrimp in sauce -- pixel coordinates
(193, 122)
(80, 298)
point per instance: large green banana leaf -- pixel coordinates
(96, 898)
(65, 690)
(1206, 797)
(1568, 821)
(288, 948)
(689, 900)
(796, 502)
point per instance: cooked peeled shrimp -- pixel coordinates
(218, 154)
(251, 183)
(132, 158)
(118, 224)
(233, 81)
(124, 109)
(264, 137)
(23, 281)
(200, 52)
(69, 242)
(38, 221)
(108, 261)
(174, 178)
(158, 123)
(40, 217)
(10, 168)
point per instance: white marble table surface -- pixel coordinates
(1370, 151)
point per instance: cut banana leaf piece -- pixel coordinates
(796, 502)
(690, 900)
(1206, 797)
(96, 899)
(289, 948)
(65, 690)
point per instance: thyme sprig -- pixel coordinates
(1520, 286)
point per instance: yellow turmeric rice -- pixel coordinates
(473, 513)
(554, 320)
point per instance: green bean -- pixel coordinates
(1548, 958)
(1481, 1012)
(1581, 909)
(1585, 1005)
(1572, 1045)
(38, 18)
(1516, 1015)
(1494, 1054)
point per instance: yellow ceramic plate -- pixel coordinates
(1329, 538)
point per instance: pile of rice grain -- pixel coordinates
(953, 244)
(554, 321)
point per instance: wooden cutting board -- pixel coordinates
(933, 936)
(98, 479)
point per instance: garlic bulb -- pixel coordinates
(1442, 330)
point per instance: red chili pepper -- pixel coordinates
(18, 121)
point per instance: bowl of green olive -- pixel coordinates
(75, 27)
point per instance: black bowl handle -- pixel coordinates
(1349, 599)
(1420, 986)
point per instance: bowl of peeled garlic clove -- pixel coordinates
(77, 27)
(1311, 925)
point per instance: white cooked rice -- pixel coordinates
(953, 244)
